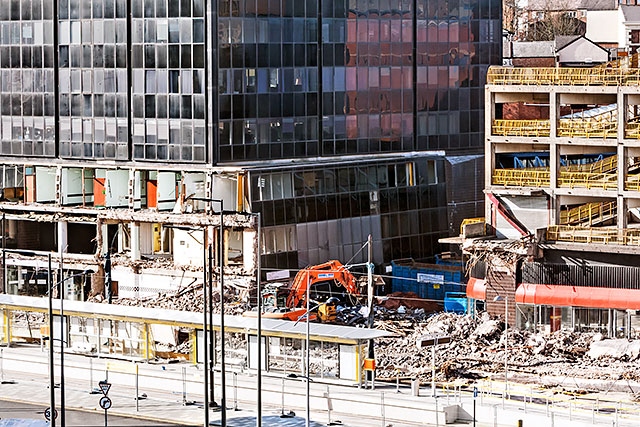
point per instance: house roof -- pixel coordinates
(555, 5)
(563, 41)
(630, 13)
(538, 49)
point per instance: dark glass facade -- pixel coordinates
(312, 214)
(335, 84)
(335, 77)
(301, 78)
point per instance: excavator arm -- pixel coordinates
(306, 278)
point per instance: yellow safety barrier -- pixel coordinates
(589, 213)
(521, 127)
(632, 183)
(525, 177)
(584, 128)
(632, 130)
(600, 235)
(588, 180)
(606, 165)
(563, 76)
(468, 221)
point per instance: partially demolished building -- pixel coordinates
(333, 120)
(562, 169)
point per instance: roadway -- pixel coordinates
(171, 392)
(18, 410)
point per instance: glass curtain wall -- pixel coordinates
(93, 79)
(27, 101)
(298, 79)
(333, 77)
(168, 80)
(312, 214)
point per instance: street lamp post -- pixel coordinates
(63, 330)
(307, 351)
(204, 329)
(52, 392)
(506, 340)
(259, 334)
(307, 359)
(223, 382)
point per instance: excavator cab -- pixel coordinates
(327, 311)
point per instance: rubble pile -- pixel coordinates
(477, 350)
(187, 299)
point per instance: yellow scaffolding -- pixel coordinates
(599, 235)
(605, 181)
(585, 128)
(606, 165)
(521, 127)
(523, 177)
(589, 213)
(563, 76)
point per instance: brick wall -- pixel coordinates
(501, 280)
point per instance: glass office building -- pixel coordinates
(368, 96)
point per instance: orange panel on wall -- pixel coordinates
(152, 193)
(30, 188)
(99, 198)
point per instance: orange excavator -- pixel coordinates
(328, 283)
(323, 281)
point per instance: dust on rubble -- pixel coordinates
(476, 350)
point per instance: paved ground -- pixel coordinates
(33, 416)
(168, 390)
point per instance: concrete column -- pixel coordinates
(622, 162)
(489, 157)
(121, 235)
(249, 250)
(554, 160)
(104, 231)
(135, 241)
(62, 236)
(622, 116)
(553, 114)
(621, 212)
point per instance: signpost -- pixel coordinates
(105, 402)
(47, 414)
(475, 395)
(433, 341)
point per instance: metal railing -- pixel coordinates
(538, 128)
(632, 130)
(589, 213)
(585, 128)
(632, 183)
(563, 76)
(468, 221)
(605, 181)
(522, 177)
(600, 235)
(606, 165)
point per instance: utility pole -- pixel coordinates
(370, 350)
